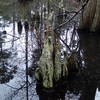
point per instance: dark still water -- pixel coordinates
(90, 45)
(85, 85)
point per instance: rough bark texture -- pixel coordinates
(90, 19)
(51, 69)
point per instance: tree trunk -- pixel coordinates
(90, 19)
(50, 66)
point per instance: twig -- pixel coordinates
(10, 40)
(72, 16)
(13, 36)
(68, 22)
(11, 86)
(64, 10)
(62, 41)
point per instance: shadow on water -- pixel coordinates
(83, 86)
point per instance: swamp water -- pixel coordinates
(84, 86)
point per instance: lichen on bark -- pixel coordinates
(51, 71)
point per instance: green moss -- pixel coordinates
(47, 70)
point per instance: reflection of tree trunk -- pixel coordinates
(50, 94)
(89, 91)
(26, 26)
(1, 47)
(91, 16)
(90, 44)
(13, 26)
(13, 30)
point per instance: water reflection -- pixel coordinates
(83, 86)
(6, 69)
(90, 44)
(68, 90)
(80, 87)
(45, 94)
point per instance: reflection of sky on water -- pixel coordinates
(19, 77)
(72, 97)
(97, 97)
(19, 60)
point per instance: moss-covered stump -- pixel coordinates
(51, 67)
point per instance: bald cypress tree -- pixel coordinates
(90, 19)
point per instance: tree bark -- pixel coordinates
(90, 19)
